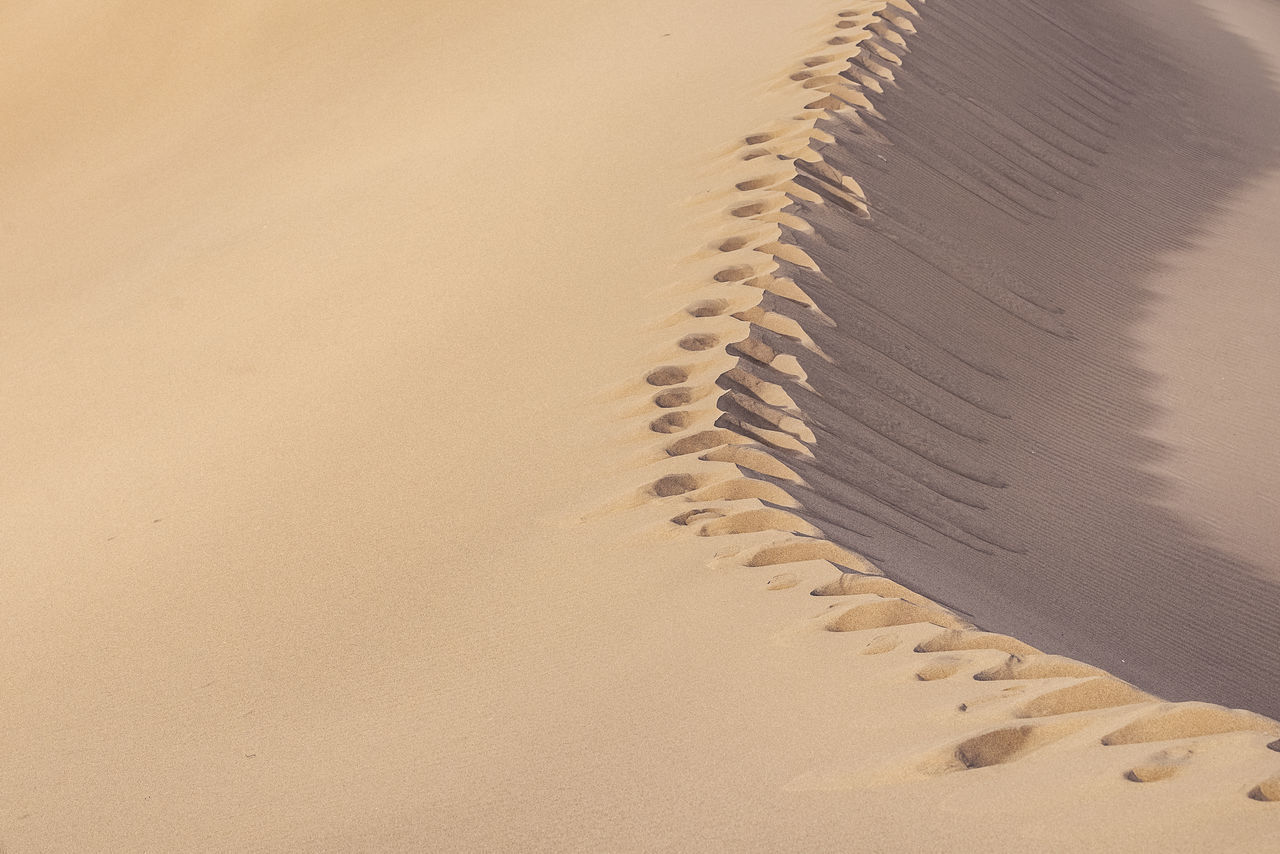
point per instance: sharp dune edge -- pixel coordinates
(767, 505)
(990, 425)
(435, 638)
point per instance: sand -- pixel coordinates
(1210, 349)
(337, 503)
(991, 431)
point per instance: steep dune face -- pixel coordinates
(984, 429)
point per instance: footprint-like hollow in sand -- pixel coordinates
(829, 103)
(1162, 766)
(698, 341)
(759, 183)
(674, 484)
(1004, 694)
(1007, 744)
(995, 748)
(1151, 773)
(672, 398)
(802, 549)
(738, 273)
(733, 244)
(1267, 790)
(952, 641)
(708, 308)
(667, 375)
(854, 584)
(698, 514)
(940, 668)
(886, 613)
(751, 521)
(671, 422)
(753, 209)
(760, 138)
(817, 80)
(702, 441)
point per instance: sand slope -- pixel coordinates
(984, 432)
(338, 490)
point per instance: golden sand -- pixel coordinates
(358, 362)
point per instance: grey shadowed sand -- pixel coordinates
(909, 367)
(984, 426)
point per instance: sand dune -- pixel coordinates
(984, 427)
(476, 428)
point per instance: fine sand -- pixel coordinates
(453, 427)
(1212, 347)
(991, 429)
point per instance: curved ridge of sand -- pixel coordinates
(991, 428)
(731, 400)
(313, 307)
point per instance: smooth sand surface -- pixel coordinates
(356, 364)
(1211, 340)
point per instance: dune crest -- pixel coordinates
(777, 502)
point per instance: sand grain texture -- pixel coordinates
(987, 429)
(358, 362)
